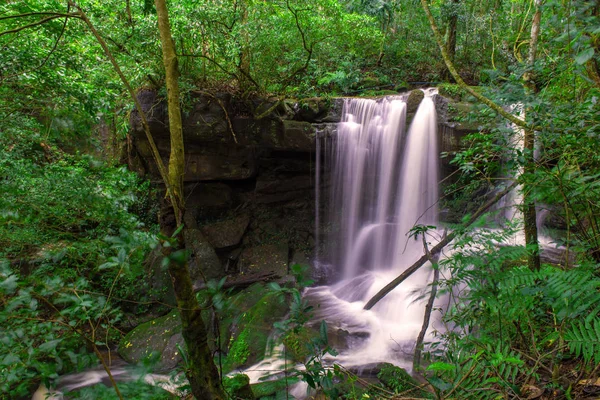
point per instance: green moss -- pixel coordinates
(399, 381)
(250, 329)
(270, 389)
(295, 342)
(239, 350)
(147, 341)
(238, 387)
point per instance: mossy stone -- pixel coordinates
(250, 329)
(414, 99)
(154, 342)
(238, 387)
(270, 389)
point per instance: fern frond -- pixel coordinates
(583, 339)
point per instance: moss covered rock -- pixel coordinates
(273, 389)
(249, 329)
(238, 387)
(414, 99)
(154, 342)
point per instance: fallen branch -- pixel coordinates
(435, 250)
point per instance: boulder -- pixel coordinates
(256, 310)
(319, 109)
(227, 233)
(204, 262)
(238, 386)
(154, 342)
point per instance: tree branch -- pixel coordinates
(447, 60)
(436, 249)
(40, 22)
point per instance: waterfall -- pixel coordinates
(382, 182)
(379, 180)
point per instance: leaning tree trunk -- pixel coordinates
(200, 370)
(529, 167)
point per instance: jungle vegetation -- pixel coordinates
(76, 225)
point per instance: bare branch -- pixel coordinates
(40, 22)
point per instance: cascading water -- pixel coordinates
(382, 180)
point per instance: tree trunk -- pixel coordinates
(451, 35)
(452, 21)
(529, 212)
(200, 370)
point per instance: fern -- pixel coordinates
(584, 339)
(575, 292)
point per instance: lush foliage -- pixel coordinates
(72, 247)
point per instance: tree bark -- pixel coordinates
(452, 21)
(201, 370)
(529, 211)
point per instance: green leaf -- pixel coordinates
(49, 346)
(440, 366)
(439, 383)
(179, 256)
(584, 56)
(323, 332)
(9, 285)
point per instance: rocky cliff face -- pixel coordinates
(250, 174)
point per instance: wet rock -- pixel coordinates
(270, 389)
(299, 257)
(265, 258)
(204, 262)
(414, 99)
(228, 233)
(249, 331)
(154, 342)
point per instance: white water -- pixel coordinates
(383, 180)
